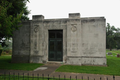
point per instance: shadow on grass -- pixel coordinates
(5, 64)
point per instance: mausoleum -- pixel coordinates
(74, 40)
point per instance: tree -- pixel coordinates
(112, 36)
(117, 38)
(11, 14)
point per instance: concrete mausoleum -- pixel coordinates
(73, 40)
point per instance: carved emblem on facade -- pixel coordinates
(74, 28)
(36, 28)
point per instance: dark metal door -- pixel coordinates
(55, 45)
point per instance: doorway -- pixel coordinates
(55, 45)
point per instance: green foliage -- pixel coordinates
(8, 44)
(112, 37)
(5, 63)
(0, 46)
(7, 21)
(113, 67)
(7, 48)
(11, 14)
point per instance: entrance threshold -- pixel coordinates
(55, 62)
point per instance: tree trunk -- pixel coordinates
(0, 52)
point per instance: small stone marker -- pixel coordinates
(109, 53)
(40, 68)
(118, 55)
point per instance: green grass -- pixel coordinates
(113, 66)
(5, 64)
(14, 77)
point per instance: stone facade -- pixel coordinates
(83, 40)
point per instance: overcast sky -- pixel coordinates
(110, 9)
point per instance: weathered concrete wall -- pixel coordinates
(42, 40)
(36, 39)
(21, 43)
(84, 40)
(88, 47)
(93, 41)
(74, 48)
(39, 37)
(36, 42)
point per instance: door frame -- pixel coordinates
(55, 41)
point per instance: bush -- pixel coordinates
(7, 52)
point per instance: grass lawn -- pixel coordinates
(113, 66)
(14, 77)
(5, 64)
